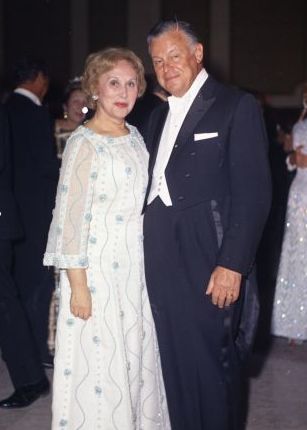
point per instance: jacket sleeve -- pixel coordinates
(41, 143)
(2, 139)
(69, 230)
(250, 187)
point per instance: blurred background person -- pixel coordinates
(74, 112)
(35, 174)
(290, 303)
(17, 344)
(268, 254)
(74, 107)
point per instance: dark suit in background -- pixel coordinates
(16, 340)
(35, 174)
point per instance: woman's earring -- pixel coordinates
(65, 115)
(95, 97)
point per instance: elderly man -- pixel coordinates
(206, 207)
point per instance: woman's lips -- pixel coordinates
(121, 105)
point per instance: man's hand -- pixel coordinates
(80, 300)
(224, 286)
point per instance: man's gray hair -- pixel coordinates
(173, 25)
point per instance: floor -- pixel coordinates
(277, 393)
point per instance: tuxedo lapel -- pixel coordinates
(200, 106)
(157, 128)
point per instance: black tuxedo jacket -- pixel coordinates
(224, 173)
(10, 227)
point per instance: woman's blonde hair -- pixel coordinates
(103, 61)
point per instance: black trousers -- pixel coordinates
(35, 284)
(197, 340)
(18, 346)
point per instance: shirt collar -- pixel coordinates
(33, 97)
(178, 103)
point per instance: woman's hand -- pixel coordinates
(81, 303)
(80, 300)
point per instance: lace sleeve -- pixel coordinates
(68, 234)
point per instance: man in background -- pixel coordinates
(17, 344)
(35, 175)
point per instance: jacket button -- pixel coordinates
(176, 146)
(193, 153)
(187, 175)
(180, 198)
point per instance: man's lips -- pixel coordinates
(170, 78)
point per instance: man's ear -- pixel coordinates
(199, 53)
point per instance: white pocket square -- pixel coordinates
(202, 136)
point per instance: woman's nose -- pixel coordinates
(124, 91)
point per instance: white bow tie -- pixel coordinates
(176, 104)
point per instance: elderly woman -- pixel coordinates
(289, 317)
(107, 365)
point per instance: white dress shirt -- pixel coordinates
(28, 94)
(178, 109)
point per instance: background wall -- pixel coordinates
(36, 27)
(257, 45)
(269, 44)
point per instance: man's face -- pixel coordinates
(42, 85)
(176, 61)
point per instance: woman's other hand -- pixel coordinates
(81, 300)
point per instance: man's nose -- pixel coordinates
(166, 66)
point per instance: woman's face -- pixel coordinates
(117, 91)
(75, 103)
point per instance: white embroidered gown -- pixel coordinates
(290, 302)
(107, 372)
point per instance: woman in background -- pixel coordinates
(290, 303)
(74, 111)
